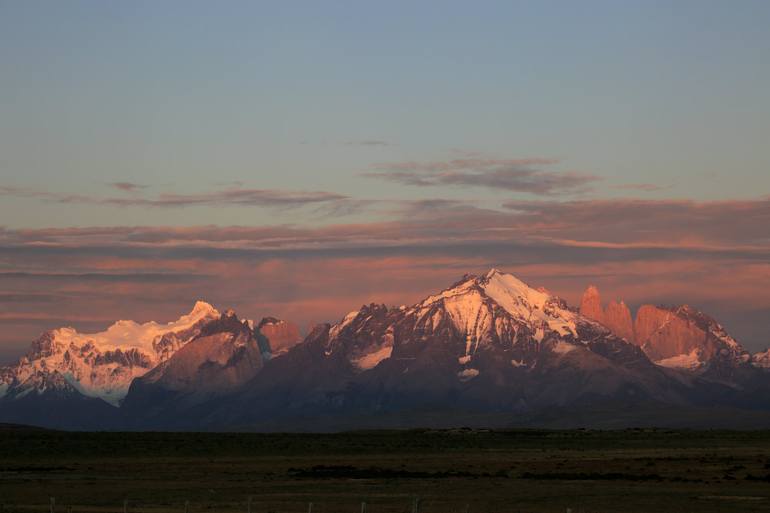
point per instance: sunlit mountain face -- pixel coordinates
(489, 347)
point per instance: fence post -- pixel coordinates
(53, 504)
(248, 506)
(363, 507)
(416, 505)
(309, 507)
(125, 505)
(186, 506)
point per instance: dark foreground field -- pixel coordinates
(483, 471)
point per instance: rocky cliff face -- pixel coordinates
(616, 317)
(283, 335)
(663, 334)
(683, 337)
(591, 304)
(676, 337)
(225, 354)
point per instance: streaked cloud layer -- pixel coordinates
(127, 186)
(520, 175)
(715, 255)
(236, 196)
(675, 224)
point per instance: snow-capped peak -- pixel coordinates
(479, 319)
(467, 303)
(103, 364)
(130, 334)
(495, 308)
(508, 291)
(200, 310)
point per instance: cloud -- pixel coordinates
(678, 223)
(28, 192)
(144, 277)
(237, 196)
(127, 186)
(713, 254)
(309, 285)
(643, 187)
(519, 175)
(368, 142)
(29, 298)
(464, 164)
(233, 196)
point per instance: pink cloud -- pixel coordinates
(711, 254)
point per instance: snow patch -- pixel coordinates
(371, 360)
(524, 302)
(691, 360)
(337, 328)
(762, 360)
(511, 293)
(458, 290)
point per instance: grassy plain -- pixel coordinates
(449, 471)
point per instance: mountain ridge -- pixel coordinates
(488, 346)
(679, 337)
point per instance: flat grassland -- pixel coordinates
(448, 470)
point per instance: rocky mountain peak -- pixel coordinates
(672, 336)
(490, 313)
(616, 316)
(591, 304)
(269, 320)
(684, 337)
(103, 364)
(202, 309)
(282, 335)
(227, 322)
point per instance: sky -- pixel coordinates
(299, 159)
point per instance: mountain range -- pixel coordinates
(488, 351)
